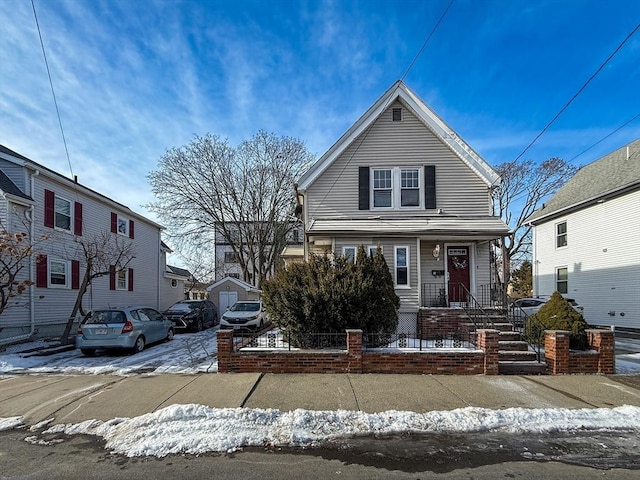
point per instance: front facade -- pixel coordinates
(43, 203)
(402, 180)
(586, 240)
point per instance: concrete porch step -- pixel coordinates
(522, 368)
(516, 355)
(518, 345)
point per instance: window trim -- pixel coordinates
(126, 278)
(396, 267)
(355, 252)
(126, 222)
(372, 249)
(559, 235)
(566, 281)
(396, 188)
(67, 273)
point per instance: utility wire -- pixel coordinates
(366, 132)
(433, 30)
(579, 91)
(605, 137)
(64, 140)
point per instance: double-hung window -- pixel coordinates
(349, 253)
(382, 188)
(396, 187)
(562, 279)
(58, 273)
(402, 266)
(122, 279)
(561, 234)
(62, 213)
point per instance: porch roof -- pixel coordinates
(477, 227)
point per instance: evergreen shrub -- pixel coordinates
(330, 295)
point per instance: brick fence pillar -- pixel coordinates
(556, 350)
(354, 351)
(488, 341)
(225, 347)
(603, 341)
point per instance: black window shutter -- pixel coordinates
(363, 188)
(429, 186)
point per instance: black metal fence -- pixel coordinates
(441, 294)
(276, 340)
(412, 341)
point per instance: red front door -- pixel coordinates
(458, 268)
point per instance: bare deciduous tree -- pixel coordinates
(525, 184)
(100, 254)
(15, 250)
(245, 194)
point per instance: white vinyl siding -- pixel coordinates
(603, 268)
(407, 144)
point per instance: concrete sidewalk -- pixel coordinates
(73, 399)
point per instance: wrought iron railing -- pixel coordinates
(439, 294)
(434, 295)
(412, 341)
(476, 313)
(278, 340)
(530, 331)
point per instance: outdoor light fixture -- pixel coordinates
(436, 252)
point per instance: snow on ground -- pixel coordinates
(196, 429)
(187, 353)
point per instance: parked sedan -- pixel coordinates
(529, 306)
(245, 315)
(130, 328)
(194, 315)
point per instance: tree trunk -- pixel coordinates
(64, 339)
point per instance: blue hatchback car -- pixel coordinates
(129, 328)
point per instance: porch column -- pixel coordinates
(603, 341)
(225, 347)
(488, 341)
(556, 350)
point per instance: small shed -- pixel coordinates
(229, 290)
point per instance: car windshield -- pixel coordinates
(245, 307)
(184, 306)
(106, 316)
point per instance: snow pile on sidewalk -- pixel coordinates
(196, 429)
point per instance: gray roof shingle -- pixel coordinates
(608, 176)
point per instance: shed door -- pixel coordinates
(227, 298)
(458, 269)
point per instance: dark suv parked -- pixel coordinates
(194, 315)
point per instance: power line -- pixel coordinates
(578, 92)
(64, 140)
(433, 30)
(605, 137)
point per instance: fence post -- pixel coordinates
(225, 348)
(354, 351)
(603, 341)
(556, 350)
(488, 341)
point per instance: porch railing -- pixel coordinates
(439, 294)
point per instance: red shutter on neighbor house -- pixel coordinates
(49, 208)
(131, 279)
(41, 271)
(75, 274)
(130, 228)
(112, 277)
(114, 222)
(77, 218)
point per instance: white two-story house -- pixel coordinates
(42, 203)
(401, 179)
(586, 240)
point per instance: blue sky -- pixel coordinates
(135, 78)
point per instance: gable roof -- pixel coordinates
(240, 283)
(10, 188)
(430, 119)
(21, 160)
(178, 271)
(610, 176)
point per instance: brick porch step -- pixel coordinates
(522, 368)
(510, 336)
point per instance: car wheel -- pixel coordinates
(170, 334)
(89, 352)
(139, 345)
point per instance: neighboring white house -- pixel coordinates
(174, 286)
(226, 259)
(41, 202)
(401, 179)
(586, 240)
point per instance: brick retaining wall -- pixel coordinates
(598, 359)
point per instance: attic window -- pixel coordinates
(397, 114)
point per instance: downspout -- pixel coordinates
(32, 274)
